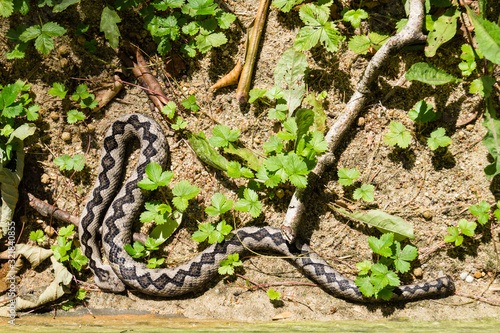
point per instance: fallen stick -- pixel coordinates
(251, 53)
(411, 33)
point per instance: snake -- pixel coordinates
(106, 227)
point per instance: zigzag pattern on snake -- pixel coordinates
(113, 208)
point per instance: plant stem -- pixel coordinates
(252, 47)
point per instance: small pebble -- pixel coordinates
(427, 214)
(64, 50)
(66, 136)
(280, 193)
(469, 127)
(49, 231)
(469, 278)
(54, 115)
(418, 272)
(361, 121)
(463, 275)
(45, 179)
(478, 275)
(64, 62)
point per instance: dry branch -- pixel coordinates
(251, 54)
(411, 33)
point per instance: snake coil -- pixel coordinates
(113, 208)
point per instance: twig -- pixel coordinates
(252, 47)
(479, 298)
(411, 33)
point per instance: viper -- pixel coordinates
(106, 227)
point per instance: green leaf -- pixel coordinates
(402, 258)
(58, 89)
(397, 135)
(490, 140)
(255, 94)
(468, 65)
(453, 236)
(296, 169)
(205, 152)
(346, 177)
(365, 192)
(483, 86)
(289, 77)
(291, 128)
(225, 19)
(6, 7)
(277, 164)
(155, 263)
(304, 119)
(78, 259)
(31, 33)
(184, 192)
(382, 246)
(52, 29)
(219, 205)
(359, 44)
(481, 211)
(80, 294)
(444, 29)
(153, 244)
(487, 37)
(222, 135)
(355, 17)
(365, 286)
(383, 222)
(438, 139)
(169, 109)
(467, 228)
(250, 203)
(279, 112)
(423, 113)
(37, 236)
(155, 212)
(426, 73)
(165, 230)
(227, 265)
(74, 116)
(286, 5)
(273, 294)
(205, 42)
(190, 103)
(252, 160)
(136, 251)
(201, 7)
(179, 124)
(63, 5)
(364, 267)
(156, 177)
(109, 21)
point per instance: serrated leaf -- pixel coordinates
(397, 135)
(288, 76)
(423, 112)
(438, 139)
(346, 177)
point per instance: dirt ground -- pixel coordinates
(431, 191)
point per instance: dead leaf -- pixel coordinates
(283, 315)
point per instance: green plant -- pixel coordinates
(397, 135)
(183, 192)
(346, 177)
(481, 211)
(249, 203)
(82, 94)
(15, 103)
(364, 192)
(227, 265)
(379, 279)
(62, 249)
(213, 234)
(438, 139)
(66, 162)
(190, 103)
(465, 227)
(423, 113)
(155, 177)
(220, 205)
(318, 29)
(37, 236)
(273, 294)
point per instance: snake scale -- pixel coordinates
(108, 216)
